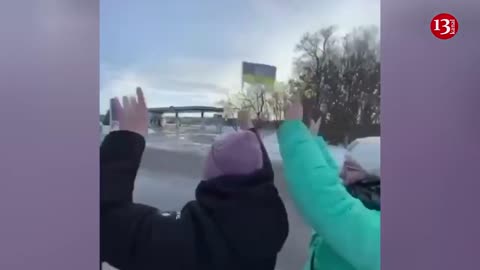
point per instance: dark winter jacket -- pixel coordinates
(230, 225)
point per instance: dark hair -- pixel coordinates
(367, 191)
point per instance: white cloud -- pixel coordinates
(159, 92)
(277, 26)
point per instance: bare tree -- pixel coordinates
(316, 49)
(278, 99)
(338, 79)
(345, 78)
(254, 98)
(230, 106)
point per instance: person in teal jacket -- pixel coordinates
(346, 233)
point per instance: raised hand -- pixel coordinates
(244, 120)
(315, 126)
(294, 111)
(133, 115)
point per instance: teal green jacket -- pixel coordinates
(347, 233)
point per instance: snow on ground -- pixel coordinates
(180, 142)
(271, 144)
(106, 129)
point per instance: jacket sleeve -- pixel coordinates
(350, 228)
(136, 236)
(120, 156)
(133, 235)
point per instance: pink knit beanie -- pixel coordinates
(237, 153)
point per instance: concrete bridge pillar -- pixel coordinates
(177, 120)
(160, 120)
(202, 114)
(219, 123)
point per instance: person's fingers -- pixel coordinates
(115, 107)
(141, 108)
(117, 114)
(117, 111)
(296, 99)
(126, 104)
(243, 115)
(315, 126)
(297, 103)
(141, 98)
(133, 102)
(295, 110)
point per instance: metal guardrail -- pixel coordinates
(175, 109)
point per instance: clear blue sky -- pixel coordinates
(190, 52)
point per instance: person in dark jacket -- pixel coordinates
(237, 220)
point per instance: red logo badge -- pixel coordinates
(444, 26)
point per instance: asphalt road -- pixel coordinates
(168, 179)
